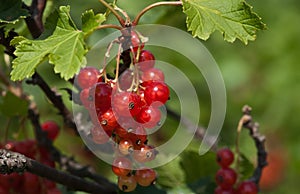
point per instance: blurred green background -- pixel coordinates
(265, 74)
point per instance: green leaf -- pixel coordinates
(65, 49)
(170, 175)
(11, 105)
(198, 167)
(234, 19)
(11, 11)
(90, 21)
(246, 168)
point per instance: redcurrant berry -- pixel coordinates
(108, 120)
(225, 157)
(136, 42)
(247, 187)
(99, 135)
(149, 117)
(146, 60)
(87, 77)
(219, 190)
(156, 91)
(122, 166)
(125, 146)
(153, 74)
(126, 104)
(127, 183)
(101, 94)
(226, 178)
(145, 177)
(144, 154)
(51, 128)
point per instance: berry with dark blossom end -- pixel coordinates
(125, 146)
(149, 117)
(51, 128)
(247, 187)
(126, 104)
(122, 166)
(87, 77)
(108, 120)
(225, 157)
(144, 154)
(138, 136)
(226, 178)
(219, 190)
(146, 60)
(145, 176)
(127, 183)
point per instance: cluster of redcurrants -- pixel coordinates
(28, 183)
(226, 177)
(123, 109)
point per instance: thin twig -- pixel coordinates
(55, 99)
(66, 163)
(141, 13)
(35, 20)
(200, 131)
(120, 19)
(15, 162)
(259, 143)
(109, 26)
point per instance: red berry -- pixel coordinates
(144, 154)
(28, 181)
(138, 136)
(126, 103)
(125, 79)
(26, 147)
(226, 178)
(87, 77)
(153, 74)
(149, 116)
(219, 190)
(156, 92)
(51, 128)
(247, 187)
(122, 166)
(136, 42)
(12, 180)
(127, 183)
(85, 98)
(108, 120)
(125, 146)
(99, 135)
(4, 190)
(101, 94)
(146, 60)
(225, 157)
(145, 177)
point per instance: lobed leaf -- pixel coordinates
(234, 19)
(90, 21)
(65, 49)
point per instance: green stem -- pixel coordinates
(121, 20)
(137, 18)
